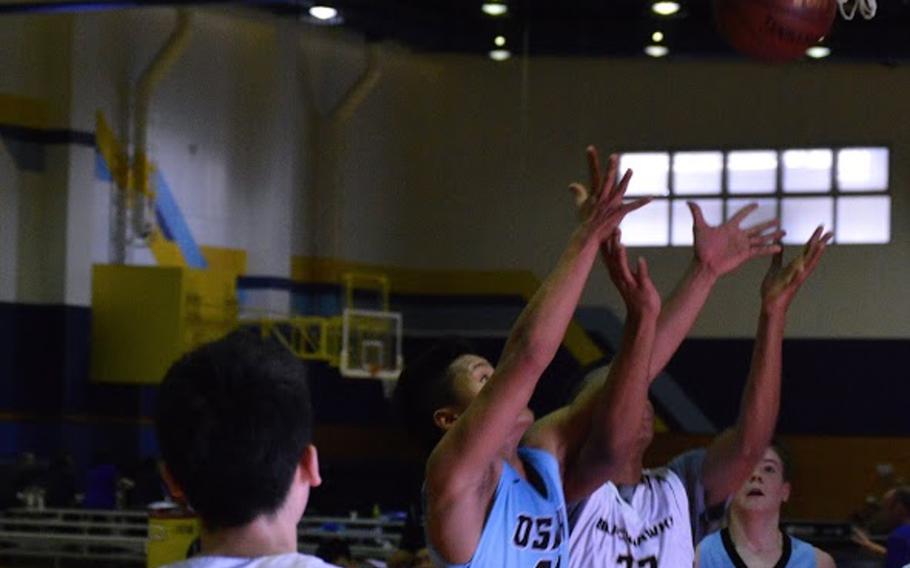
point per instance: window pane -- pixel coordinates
(767, 210)
(863, 219)
(651, 172)
(862, 169)
(712, 209)
(697, 172)
(647, 226)
(801, 215)
(752, 171)
(808, 170)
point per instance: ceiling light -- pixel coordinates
(656, 50)
(657, 37)
(499, 40)
(500, 54)
(665, 8)
(323, 13)
(818, 52)
(494, 9)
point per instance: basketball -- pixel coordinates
(774, 30)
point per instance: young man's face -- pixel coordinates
(766, 489)
(470, 374)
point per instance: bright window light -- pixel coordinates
(818, 52)
(862, 169)
(649, 172)
(657, 37)
(863, 220)
(752, 171)
(656, 50)
(494, 9)
(681, 232)
(500, 54)
(807, 170)
(499, 41)
(664, 8)
(647, 226)
(697, 172)
(323, 13)
(801, 215)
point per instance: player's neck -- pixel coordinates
(757, 532)
(265, 535)
(631, 473)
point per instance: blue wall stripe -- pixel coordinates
(175, 225)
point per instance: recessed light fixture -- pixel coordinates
(818, 52)
(500, 54)
(499, 41)
(495, 8)
(323, 13)
(657, 37)
(665, 8)
(656, 50)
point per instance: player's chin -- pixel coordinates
(524, 421)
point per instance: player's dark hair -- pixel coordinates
(425, 386)
(233, 421)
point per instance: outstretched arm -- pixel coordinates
(463, 464)
(733, 454)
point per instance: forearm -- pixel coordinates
(539, 330)
(761, 398)
(621, 403)
(680, 310)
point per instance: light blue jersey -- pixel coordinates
(718, 551)
(524, 529)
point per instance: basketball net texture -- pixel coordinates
(848, 8)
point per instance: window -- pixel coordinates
(846, 189)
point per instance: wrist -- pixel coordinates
(703, 272)
(774, 311)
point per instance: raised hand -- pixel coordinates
(723, 248)
(602, 206)
(636, 288)
(782, 282)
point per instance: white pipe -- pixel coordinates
(142, 197)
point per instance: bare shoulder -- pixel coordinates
(823, 559)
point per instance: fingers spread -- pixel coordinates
(738, 217)
(593, 166)
(760, 228)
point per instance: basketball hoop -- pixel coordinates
(848, 8)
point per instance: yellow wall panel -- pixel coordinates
(137, 322)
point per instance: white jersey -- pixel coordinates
(651, 531)
(289, 560)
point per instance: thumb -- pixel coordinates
(697, 218)
(579, 193)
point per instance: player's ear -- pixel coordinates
(785, 492)
(309, 466)
(445, 417)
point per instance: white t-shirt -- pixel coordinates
(650, 530)
(289, 560)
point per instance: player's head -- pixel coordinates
(437, 387)
(896, 504)
(595, 379)
(768, 487)
(234, 427)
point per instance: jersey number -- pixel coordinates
(629, 562)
